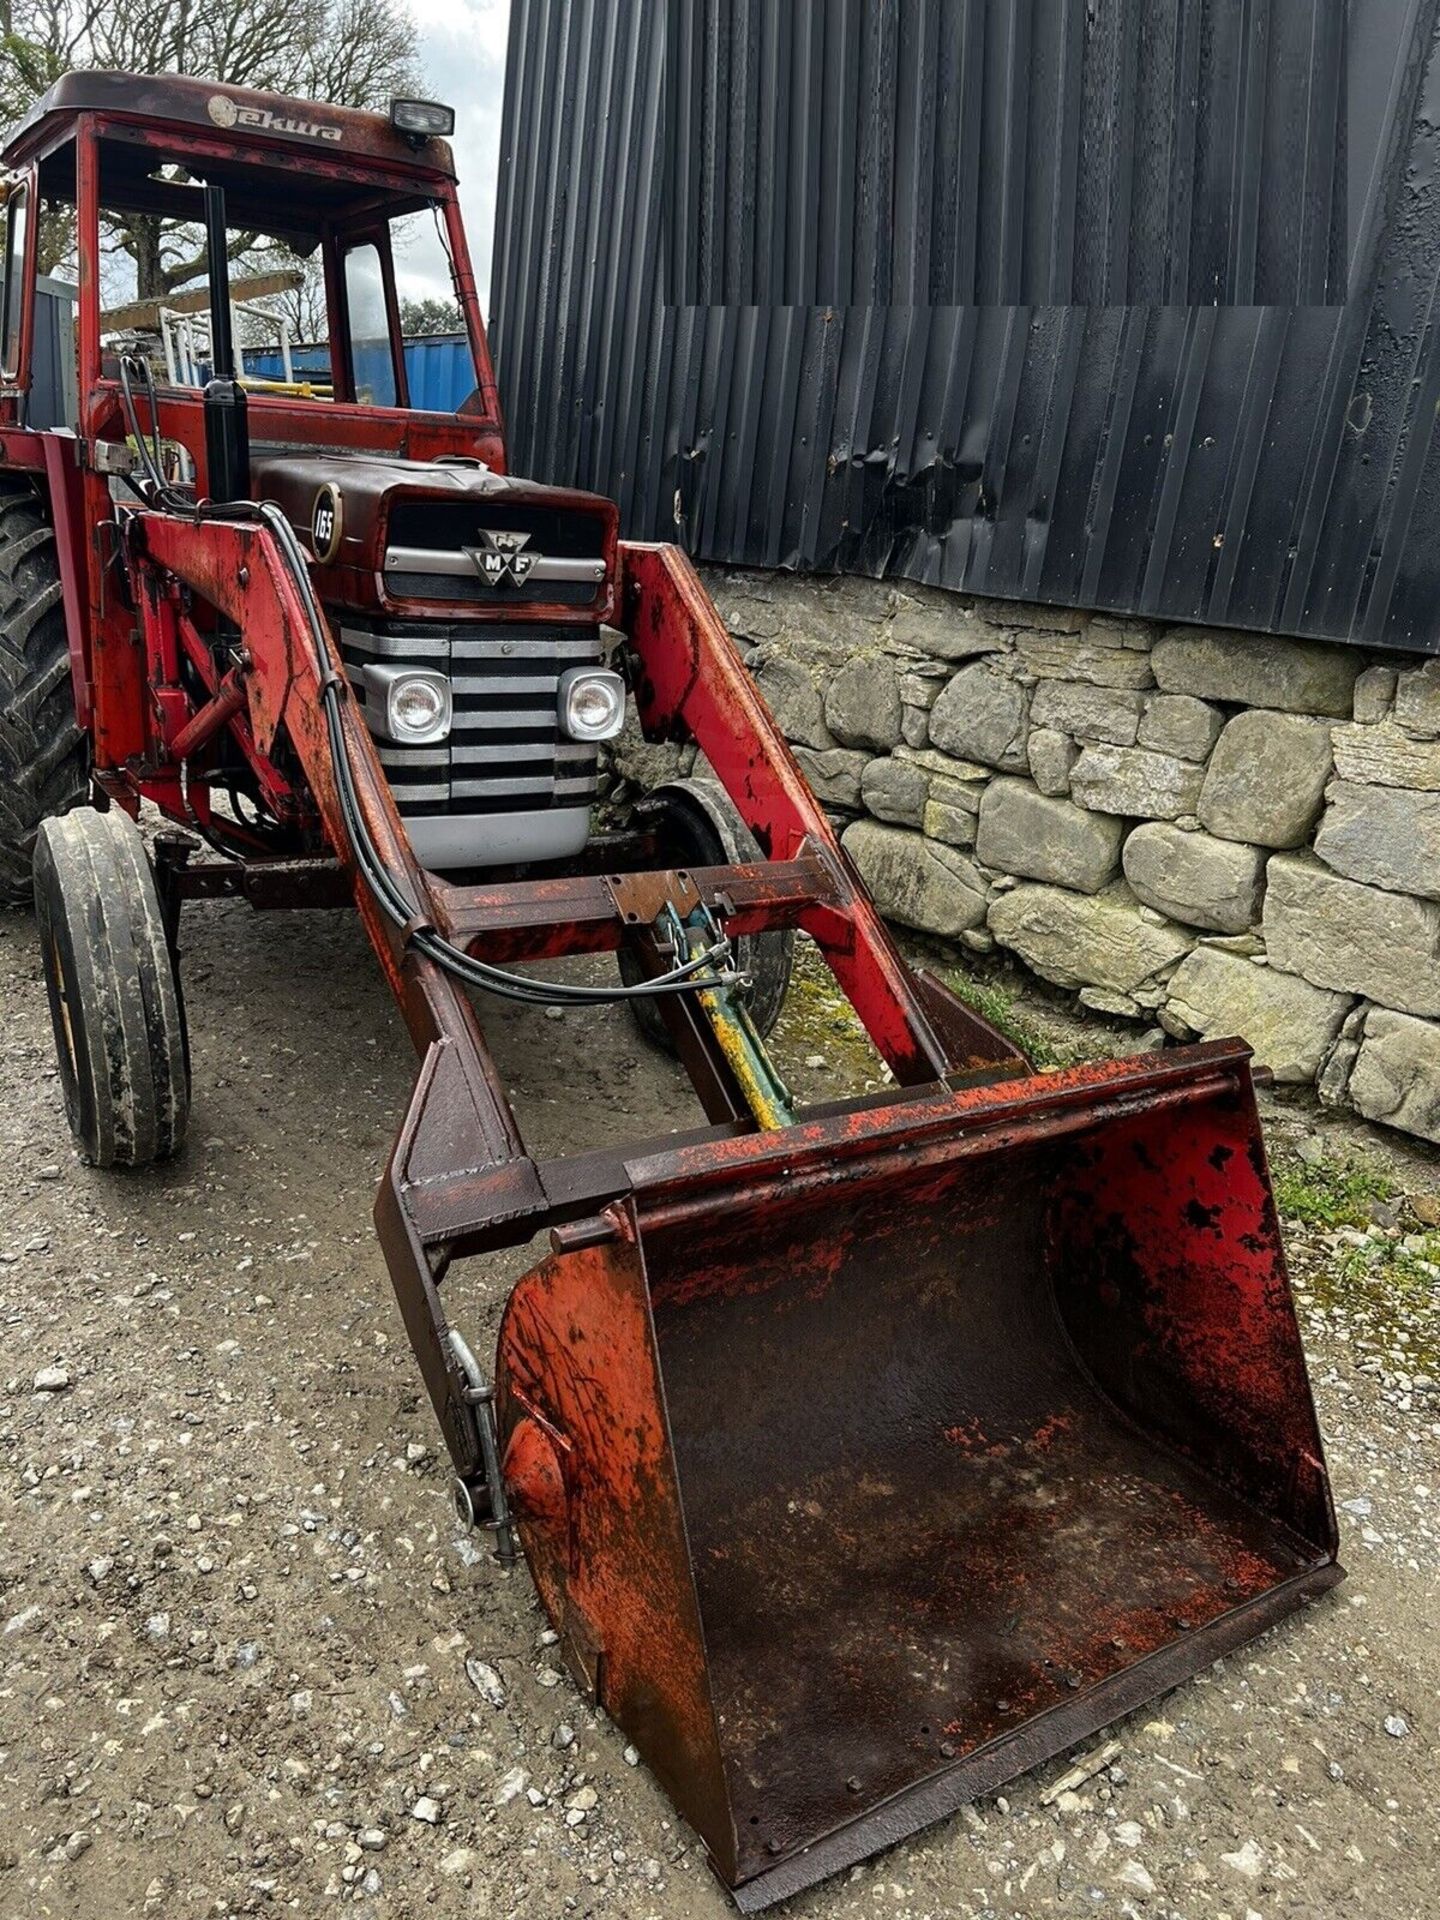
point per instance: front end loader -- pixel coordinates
(863, 1455)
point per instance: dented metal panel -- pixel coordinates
(1268, 468)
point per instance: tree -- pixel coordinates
(352, 53)
(419, 317)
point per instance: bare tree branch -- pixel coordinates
(353, 53)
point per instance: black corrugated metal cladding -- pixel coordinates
(995, 152)
(1262, 467)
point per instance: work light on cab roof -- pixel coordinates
(422, 119)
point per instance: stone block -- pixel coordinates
(982, 715)
(1015, 615)
(1179, 723)
(894, 791)
(1375, 695)
(834, 776)
(1051, 756)
(1417, 700)
(953, 806)
(1091, 713)
(945, 765)
(1058, 656)
(747, 609)
(1023, 832)
(1086, 940)
(1396, 1075)
(862, 704)
(645, 763)
(1266, 779)
(944, 820)
(827, 622)
(1257, 670)
(1355, 939)
(1193, 878)
(1120, 1006)
(792, 693)
(1385, 836)
(1290, 1024)
(1386, 756)
(1332, 1085)
(914, 726)
(1135, 782)
(1135, 635)
(919, 689)
(953, 633)
(930, 887)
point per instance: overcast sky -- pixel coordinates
(462, 46)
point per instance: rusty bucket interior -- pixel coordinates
(930, 1456)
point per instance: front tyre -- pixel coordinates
(115, 1001)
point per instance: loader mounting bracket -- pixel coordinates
(641, 898)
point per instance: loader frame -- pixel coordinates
(460, 1180)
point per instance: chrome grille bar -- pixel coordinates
(545, 566)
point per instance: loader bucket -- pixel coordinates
(865, 1465)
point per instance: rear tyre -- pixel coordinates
(115, 1001)
(700, 826)
(43, 753)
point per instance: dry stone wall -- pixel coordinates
(1215, 832)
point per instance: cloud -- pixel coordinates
(462, 51)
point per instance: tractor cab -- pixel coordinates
(112, 171)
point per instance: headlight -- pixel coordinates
(592, 703)
(412, 708)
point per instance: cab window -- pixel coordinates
(17, 220)
(372, 356)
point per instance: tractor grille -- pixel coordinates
(432, 552)
(505, 753)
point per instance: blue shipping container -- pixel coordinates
(438, 367)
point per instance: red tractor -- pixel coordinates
(863, 1455)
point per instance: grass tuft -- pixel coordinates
(1331, 1193)
(997, 1005)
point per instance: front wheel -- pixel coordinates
(700, 826)
(115, 1001)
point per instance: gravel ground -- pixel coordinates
(247, 1662)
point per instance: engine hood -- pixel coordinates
(410, 537)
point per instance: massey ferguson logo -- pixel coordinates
(501, 560)
(226, 112)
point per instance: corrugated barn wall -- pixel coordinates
(1045, 152)
(1271, 467)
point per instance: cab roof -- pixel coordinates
(270, 125)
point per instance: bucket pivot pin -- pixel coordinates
(481, 1501)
